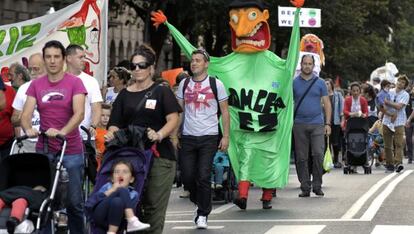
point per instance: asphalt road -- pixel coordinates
(379, 203)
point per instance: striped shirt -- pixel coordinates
(400, 97)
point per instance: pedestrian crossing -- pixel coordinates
(292, 229)
(311, 229)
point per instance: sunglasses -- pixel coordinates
(203, 52)
(141, 65)
(120, 69)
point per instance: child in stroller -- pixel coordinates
(220, 164)
(20, 198)
(376, 143)
(116, 200)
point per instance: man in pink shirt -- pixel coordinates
(60, 100)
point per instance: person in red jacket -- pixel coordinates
(6, 130)
(355, 105)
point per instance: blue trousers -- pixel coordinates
(74, 165)
(111, 210)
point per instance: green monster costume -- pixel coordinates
(259, 84)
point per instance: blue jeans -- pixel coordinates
(75, 166)
(111, 210)
(217, 177)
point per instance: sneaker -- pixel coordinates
(219, 186)
(318, 192)
(399, 168)
(201, 222)
(337, 165)
(266, 205)
(135, 225)
(185, 194)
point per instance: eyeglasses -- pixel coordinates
(203, 52)
(141, 65)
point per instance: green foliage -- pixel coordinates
(355, 32)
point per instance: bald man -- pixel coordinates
(36, 66)
(36, 69)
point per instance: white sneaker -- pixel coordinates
(136, 225)
(201, 222)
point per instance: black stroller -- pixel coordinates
(33, 169)
(356, 138)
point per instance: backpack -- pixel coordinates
(213, 86)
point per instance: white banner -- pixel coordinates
(83, 23)
(309, 17)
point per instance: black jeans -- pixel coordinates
(197, 153)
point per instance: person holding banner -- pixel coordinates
(60, 100)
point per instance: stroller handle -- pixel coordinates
(21, 138)
(58, 136)
(88, 133)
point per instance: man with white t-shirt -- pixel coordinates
(29, 145)
(75, 61)
(201, 97)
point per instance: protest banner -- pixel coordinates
(83, 23)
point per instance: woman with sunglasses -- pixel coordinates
(159, 114)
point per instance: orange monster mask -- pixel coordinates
(312, 44)
(250, 31)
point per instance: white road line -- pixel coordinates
(361, 201)
(269, 220)
(296, 229)
(376, 204)
(181, 212)
(193, 227)
(222, 208)
(386, 229)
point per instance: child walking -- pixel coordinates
(116, 200)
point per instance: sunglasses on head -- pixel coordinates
(203, 52)
(141, 65)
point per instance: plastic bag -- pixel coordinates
(327, 160)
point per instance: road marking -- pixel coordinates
(222, 208)
(269, 220)
(361, 201)
(376, 204)
(386, 229)
(193, 227)
(181, 212)
(296, 229)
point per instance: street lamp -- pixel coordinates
(94, 35)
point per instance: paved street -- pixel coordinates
(368, 204)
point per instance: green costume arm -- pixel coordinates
(293, 54)
(184, 44)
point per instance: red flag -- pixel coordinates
(338, 82)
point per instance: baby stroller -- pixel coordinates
(33, 169)
(226, 192)
(356, 140)
(140, 160)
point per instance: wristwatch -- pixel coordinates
(93, 126)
